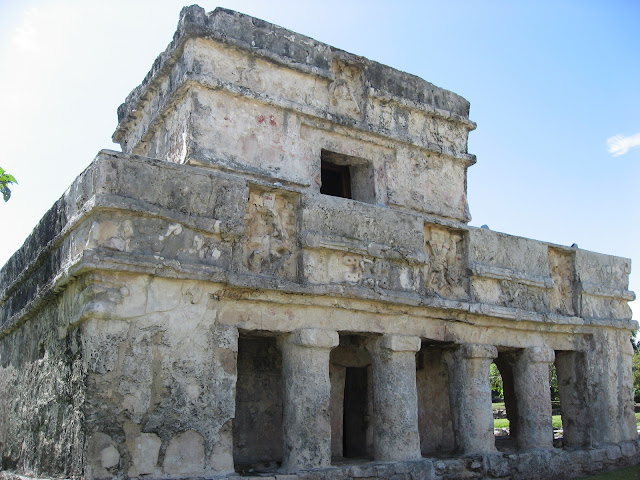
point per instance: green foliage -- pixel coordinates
(553, 383)
(497, 389)
(635, 369)
(6, 179)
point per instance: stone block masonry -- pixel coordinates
(276, 278)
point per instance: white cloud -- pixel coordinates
(620, 145)
(26, 34)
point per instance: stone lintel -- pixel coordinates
(400, 343)
(314, 338)
(476, 350)
(539, 354)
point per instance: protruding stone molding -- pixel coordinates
(470, 396)
(395, 397)
(533, 397)
(307, 392)
(587, 288)
(318, 240)
(423, 107)
(184, 81)
(502, 273)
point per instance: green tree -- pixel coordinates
(497, 390)
(6, 179)
(635, 368)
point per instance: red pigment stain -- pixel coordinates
(226, 118)
(261, 119)
(272, 120)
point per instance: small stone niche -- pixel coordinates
(347, 177)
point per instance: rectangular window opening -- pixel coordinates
(336, 180)
(346, 177)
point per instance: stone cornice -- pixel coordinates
(285, 47)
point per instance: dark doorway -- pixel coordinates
(355, 412)
(257, 426)
(506, 440)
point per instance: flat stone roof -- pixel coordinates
(284, 47)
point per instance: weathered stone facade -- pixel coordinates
(195, 307)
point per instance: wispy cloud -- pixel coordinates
(620, 145)
(26, 34)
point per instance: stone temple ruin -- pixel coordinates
(276, 278)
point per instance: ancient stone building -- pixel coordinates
(276, 277)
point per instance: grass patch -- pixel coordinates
(498, 406)
(628, 473)
(500, 423)
(556, 421)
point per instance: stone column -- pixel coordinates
(470, 397)
(307, 392)
(628, 429)
(395, 397)
(572, 389)
(531, 386)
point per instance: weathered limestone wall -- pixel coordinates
(42, 396)
(153, 379)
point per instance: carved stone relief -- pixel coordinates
(345, 91)
(562, 273)
(271, 245)
(331, 266)
(445, 273)
(526, 297)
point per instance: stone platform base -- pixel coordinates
(554, 464)
(532, 465)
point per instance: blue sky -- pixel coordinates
(553, 86)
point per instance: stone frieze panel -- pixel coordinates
(602, 282)
(271, 244)
(562, 270)
(325, 266)
(446, 273)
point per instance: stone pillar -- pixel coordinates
(337, 375)
(572, 389)
(395, 397)
(531, 386)
(626, 404)
(470, 397)
(307, 392)
(610, 387)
